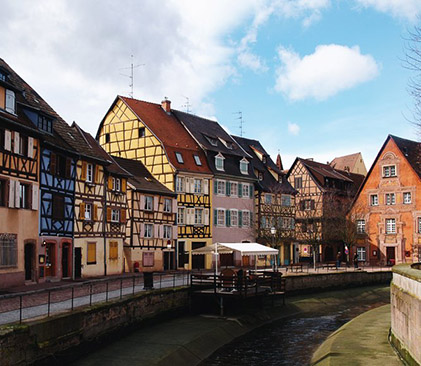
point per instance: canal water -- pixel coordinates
(290, 341)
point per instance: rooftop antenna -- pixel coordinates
(131, 76)
(240, 117)
(187, 105)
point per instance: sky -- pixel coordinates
(311, 78)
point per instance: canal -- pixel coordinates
(298, 329)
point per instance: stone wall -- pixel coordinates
(406, 312)
(36, 340)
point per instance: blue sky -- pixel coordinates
(312, 78)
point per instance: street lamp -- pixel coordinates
(273, 232)
(169, 254)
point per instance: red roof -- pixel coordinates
(171, 133)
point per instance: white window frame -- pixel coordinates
(116, 184)
(360, 226)
(419, 225)
(374, 200)
(244, 166)
(220, 217)
(180, 184)
(234, 218)
(167, 205)
(390, 226)
(167, 234)
(390, 199)
(198, 186)
(88, 211)
(89, 172)
(197, 216)
(10, 101)
(197, 159)
(179, 157)
(115, 215)
(148, 203)
(220, 188)
(181, 215)
(234, 189)
(148, 228)
(389, 171)
(219, 162)
(407, 198)
(246, 191)
(246, 218)
(362, 254)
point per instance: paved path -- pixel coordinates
(362, 341)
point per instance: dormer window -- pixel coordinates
(260, 176)
(45, 123)
(3, 76)
(264, 160)
(197, 160)
(244, 166)
(219, 162)
(179, 157)
(227, 144)
(212, 141)
(10, 105)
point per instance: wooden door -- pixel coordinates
(50, 260)
(78, 262)
(390, 256)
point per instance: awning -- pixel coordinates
(243, 248)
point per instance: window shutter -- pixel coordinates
(155, 201)
(251, 190)
(215, 186)
(97, 173)
(108, 214)
(142, 202)
(7, 140)
(161, 231)
(123, 185)
(84, 170)
(251, 219)
(95, 212)
(123, 216)
(206, 186)
(110, 183)
(17, 194)
(30, 147)
(240, 218)
(35, 196)
(82, 211)
(228, 218)
(187, 181)
(69, 168)
(174, 205)
(12, 193)
(215, 217)
(53, 163)
(206, 218)
(190, 216)
(301, 205)
(142, 230)
(228, 188)
(16, 141)
(312, 204)
(174, 232)
(156, 231)
(10, 101)
(191, 185)
(240, 190)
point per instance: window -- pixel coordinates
(298, 182)
(107, 138)
(407, 198)
(419, 225)
(285, 200)
(167, 205)
(268, 199)
(8, 250)
(213, 141)
(197, 160)
(221, 187)
(45, 123)
(220, 217)
(234, 217)
(2, 76)
(141, 131)
(148, 231)
(91, 255)
(115, 215)
(390, 199)
(390, 226)
(148, 203)
(360, 226)
(234, 189)
(246, 218)
(244, 166)
(3, 190)
(181, 216)
(113, 253)
(307, 205)
(116, 184)
(197, 186)
(23, 145)
(260, 176)
(88, 211)
(89, 173)
(167, 232)
(389, 171)
(58, 207)
(246, 190)
(179, 157)
(219, 162)
(24, 200)
(179, 184)
(148, 259)
(10, 102)
(361, 252)
(198, 216)
(374, 200)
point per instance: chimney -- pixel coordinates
(166, 105)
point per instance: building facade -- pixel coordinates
(387, 209)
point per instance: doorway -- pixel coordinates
(390, 256)
(50, 260)
(29, 262)
(65, 255)
(78, 262)
(168, 260)
(198, 260)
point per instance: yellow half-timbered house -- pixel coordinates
(150, 133)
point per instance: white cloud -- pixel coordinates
(293, 128)
(252, 61)
(329, 70)
(409, 9)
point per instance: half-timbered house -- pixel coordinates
(151, 220)
(387, 209)
(274, 201)
(19, 184)
(323, 199)
(232, 184)
(150, 133)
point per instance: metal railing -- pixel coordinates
(16, 307)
